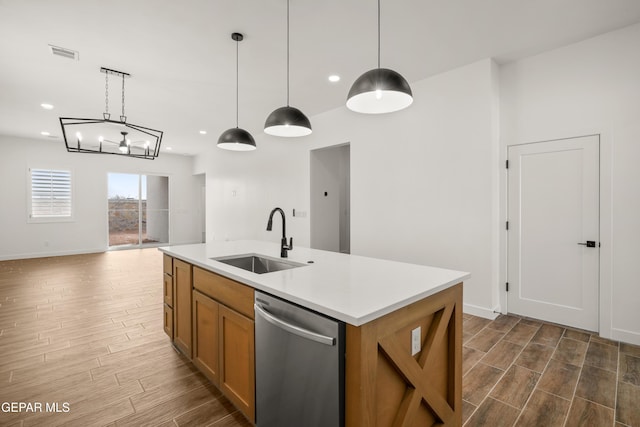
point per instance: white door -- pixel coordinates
(553, 237)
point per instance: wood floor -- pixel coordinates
(86, 331)
(524, 372)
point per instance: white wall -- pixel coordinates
(423, 181)
(88, 231)
(243, 187)
(591, 87)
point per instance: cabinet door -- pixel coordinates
(205, 336)
(182, 306)
(168, 321)
(167, 289)
(237, 367)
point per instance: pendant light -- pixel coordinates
(103, 136)
(287, 121)
(380, 90)
(236, 139)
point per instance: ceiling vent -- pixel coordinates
(64, 52)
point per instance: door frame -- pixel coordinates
(344, 218)
(605, 308)
(536, 146)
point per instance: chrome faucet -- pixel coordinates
(283, 243)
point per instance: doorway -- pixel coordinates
(553, 231)
(331, 198)
(138, 210)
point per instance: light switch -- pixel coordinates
(415, 341)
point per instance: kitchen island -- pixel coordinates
(381, 302)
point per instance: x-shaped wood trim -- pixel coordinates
(419, 387)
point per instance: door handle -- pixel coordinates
(294, 329)
(589, 244)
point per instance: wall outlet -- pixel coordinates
(415, 341)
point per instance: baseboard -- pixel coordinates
(51, 254)
(625, 336)
(481, 311)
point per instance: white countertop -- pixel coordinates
(350, 288)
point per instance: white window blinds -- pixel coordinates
(50, 194)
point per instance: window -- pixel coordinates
(50, 195)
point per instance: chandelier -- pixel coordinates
(107, 136)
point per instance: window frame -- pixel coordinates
(49, 218)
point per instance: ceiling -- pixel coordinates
(182, 59)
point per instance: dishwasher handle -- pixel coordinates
(296, 330)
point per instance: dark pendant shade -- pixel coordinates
(287, 121)
(378, 91)
(236, 139)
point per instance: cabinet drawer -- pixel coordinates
(168, 321)
(167, 289)
(230, 293)
(167, 262)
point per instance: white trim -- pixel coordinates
(605, 327)
(481, 311)
(625, 336)
(51, 254)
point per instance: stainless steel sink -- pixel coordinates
(258, 264)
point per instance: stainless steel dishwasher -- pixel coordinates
(299, 366)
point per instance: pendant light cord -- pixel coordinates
(106, 94)
(123, 97)
(237, 81)
(378, 33)
(287, 53)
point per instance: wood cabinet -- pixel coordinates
(167, 289)
(386, 386)
(223, 337)
(182, 287)
(226, 291)
(168, 321)
(205, 336)
(237, 356)
(167, 292)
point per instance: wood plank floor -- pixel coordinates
(524, 372)
(86, 330)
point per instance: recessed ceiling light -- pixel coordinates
(203, 132)
(169, 148)
(334, 78)
(46, 106)
(45, 133)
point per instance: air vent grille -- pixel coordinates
(64, 52)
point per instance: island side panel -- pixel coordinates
(387, 386)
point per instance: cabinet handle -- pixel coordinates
(296, 330)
